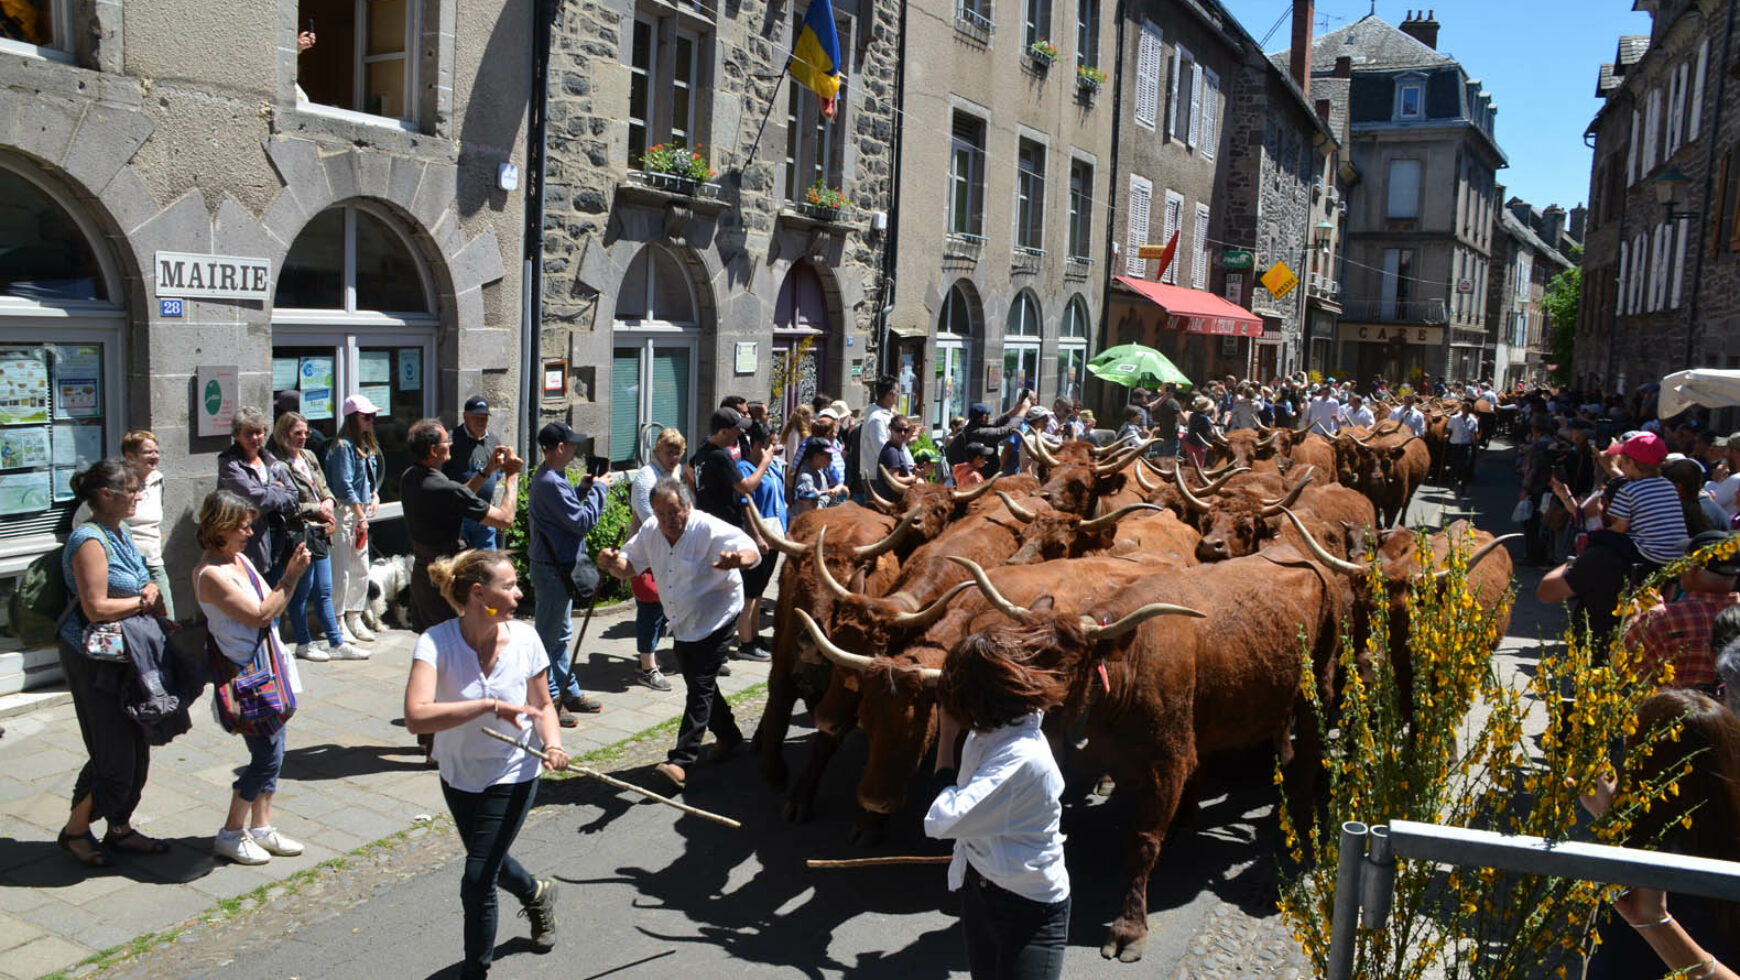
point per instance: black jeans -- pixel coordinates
(120, 756)
(1010, 937)
(705, 708)
(488, 822)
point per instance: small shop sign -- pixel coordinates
(1279, 280)
(1237, 258)
(181, 274)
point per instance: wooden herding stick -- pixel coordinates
(619, 784)
(875, 862)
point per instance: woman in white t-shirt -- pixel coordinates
(486, 669)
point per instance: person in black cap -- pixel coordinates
(477, 460)
(717, 484)
(559, 520)
(980, 429)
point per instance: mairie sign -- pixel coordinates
(218, 276)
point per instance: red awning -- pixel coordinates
(1195, 310)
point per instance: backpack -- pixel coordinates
(39, 604)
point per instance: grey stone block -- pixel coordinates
(284, 220)
(236, 232)
(184, 226)
(468, 308)
(435, 193)
(129, 201)
(372, 173)
(342, 174)
(402, 181)
(301, 171)
(106, 141)
(479, 263)
(46, 125)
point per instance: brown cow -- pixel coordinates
(1245, 447)
(1180, 689)
(1235, 524)
(1053, 534)
(1313, 449)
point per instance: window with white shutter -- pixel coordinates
(1210, 113)
(1624, 282)
(1148, 56)
(1136, 233)
(1679, 273)
(1195, 103)
(1199, 251)
(1651, 130)
(1404, 189)
(1179, 113)
(1631, 150)
(1174, 221)
(1676, 109)
(1693, 125)
(1640, 263)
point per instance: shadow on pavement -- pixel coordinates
(312, 763)
(42, 864)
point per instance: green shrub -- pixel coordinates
(610, 532)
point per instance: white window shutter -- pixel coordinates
(1199, 252)
(1631, 151)
(1652, 130)
(1174, 221)
(1136, 234)
(1148, 55)
(1676, 109)
(1210, 112)
(1195, 103)
(1679, 273)
(1624, 282)
(1640, 261)
(1172, 106)
(1694, 124)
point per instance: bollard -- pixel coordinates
(1377, 882)
(1346, 915)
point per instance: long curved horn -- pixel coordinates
(1021, 513)
(933, 612)
(1119, 462)
(1164, 474)
(928, 676)
(1220, 441)
(995, 598)
(1479, 554)
(1364, 442)
(1317, 551)
(963, 496)
(1263, 429)
(1268, 442)
(870, 551)
(1214, 485)
(1112, 448)
(1272, 507)
(1111, 520)
(851, 661)
(1197, 467)
(880, 502)
(780, 542)
(1112, 631)
(1037, 447)
(832, 584)
(894, 479)
(1196, 503)
(1142, 480)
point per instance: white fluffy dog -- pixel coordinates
(389, 594)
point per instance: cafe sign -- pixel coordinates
(1390, 333)
(182, 274)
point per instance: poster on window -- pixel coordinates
(410, 368)
(21, 448)
(381, 395)
(376, 368)
(78, 393)
(284, 370)
(315, 379)
(23, 386)
(23, 493)
(77, 445)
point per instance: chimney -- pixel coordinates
(1422, 29)
(1579, 220)
(1323, 106)
(1304, 12)
(1344, 66)
(1552, 224)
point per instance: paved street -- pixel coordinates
(646, 891)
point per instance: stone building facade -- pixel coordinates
(1523, 262)
(1005, 183)
(1660, 282)
(662, 295)
(352, 227)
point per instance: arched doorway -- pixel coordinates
(61, 329)
(954, 332)
(801, 330)
(355, 314)
(656, 336)
(1020, 348)
(1072, 349)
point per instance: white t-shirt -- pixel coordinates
(471, 761)
(1727, 493)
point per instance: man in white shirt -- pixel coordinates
(1464, 429)
(1324, 412)
(873, 434)
(1727, 490)
(1408, 413)
(1355, 413)
(694, 558)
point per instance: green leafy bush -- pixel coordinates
(610, 532)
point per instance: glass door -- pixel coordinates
(951, 383)
(652, 387)
(324, 370)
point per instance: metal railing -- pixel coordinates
(959, 245)
(973, 23)
(1395, 311)
(1365, 877)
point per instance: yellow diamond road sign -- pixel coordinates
(1279, 280)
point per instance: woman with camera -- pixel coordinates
(312, 524)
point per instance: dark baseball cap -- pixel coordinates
(556, 433)
(1721, 566)
(727, 418)
(978, 408)
(477, 405)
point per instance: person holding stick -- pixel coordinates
(486, 666)
(1003, 809)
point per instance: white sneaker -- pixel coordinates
(345, 651)
(311, 652)
(242, 849)
(357, 630)
(273, 842)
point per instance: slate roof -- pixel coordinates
(1632, 48)
(1607, 82)
(1516, 229)
(1373, 44)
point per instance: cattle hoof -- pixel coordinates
(797, 811)
(1124, 949)
(775, 775)
(1104, 787)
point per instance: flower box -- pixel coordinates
(1041, 55)
(675, 184)
(818, 212)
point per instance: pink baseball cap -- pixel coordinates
(360, 403)
(1645, 447)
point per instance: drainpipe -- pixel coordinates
(888, 361)
(532, 265)
(1105, 324)
(1710, 138)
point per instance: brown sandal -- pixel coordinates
(92, 858)
(133, 842)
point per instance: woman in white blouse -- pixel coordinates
(1003, 809)
(486, 669)
(145, 524)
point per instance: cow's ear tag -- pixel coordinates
(1105, 682)
(851, 682)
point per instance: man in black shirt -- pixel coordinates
(1163, 413)
(981, 429)
(435, 509)
(716, 477)
(476, 462)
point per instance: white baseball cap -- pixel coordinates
(360, 403)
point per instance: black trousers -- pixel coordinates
(1010, 937)
(705, 707)
(120, 757)
(488, 822)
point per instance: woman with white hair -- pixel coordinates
(249, 471)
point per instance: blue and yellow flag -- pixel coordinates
(815, 59)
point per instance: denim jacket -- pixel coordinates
(353, 476)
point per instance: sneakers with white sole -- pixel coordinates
(345, 651)
(311, 652)
(273, 842)
(652, 678)
(240, 848)
(353, 622)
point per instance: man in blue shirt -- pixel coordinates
(560, 518)
(761, 481)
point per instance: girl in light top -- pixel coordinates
(1002, 809)
(486, 668)
(145, 524)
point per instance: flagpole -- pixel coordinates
(779, 81)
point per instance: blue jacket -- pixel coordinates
(769, 494)
(275, 498)
(352, 476)
(560, 519)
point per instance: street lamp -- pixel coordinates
(1668, 185)
(1322, 232)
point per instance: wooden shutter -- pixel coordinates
(1693, 124)
(1631, 151)
(1676, 102)
(1148, 56)
(1195, 103)
(1679, 274)
(1720, 212)
(1210, 112)
(1199, 250)
(1172, 105)
(1624, 273)
(1174, 220)
(1136, 231)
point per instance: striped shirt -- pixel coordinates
(1657, 525)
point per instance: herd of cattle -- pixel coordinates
(1176, 600)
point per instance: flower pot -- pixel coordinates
(820, 212)
(674, 183)
(1040, 60)
(1087, 84)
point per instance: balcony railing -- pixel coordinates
(974, 24)
(1026, 260)
(963, 247)
(1078, 266)
(1395, 311)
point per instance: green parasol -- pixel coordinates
(1132, 364)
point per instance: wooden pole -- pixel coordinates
(876, 862)
(619, 784)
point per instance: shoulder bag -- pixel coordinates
(253, 698)
(104, 641)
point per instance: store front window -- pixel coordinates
(1072, 350)
(60, 348)
(653, 371)
(354, 314)
(954, 330)
(1020, 349)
